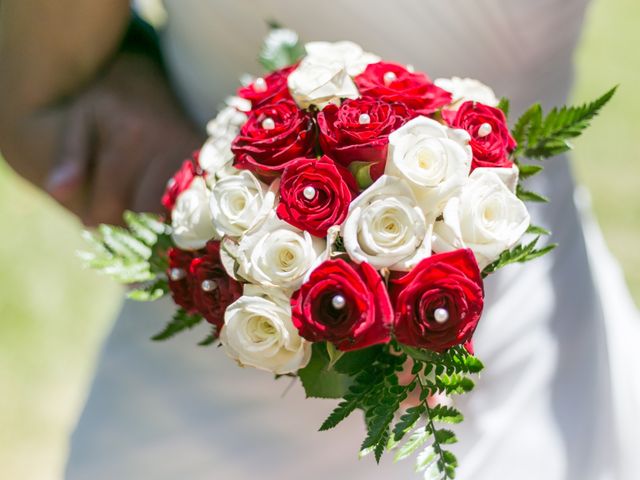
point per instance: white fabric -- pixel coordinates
(559, 396)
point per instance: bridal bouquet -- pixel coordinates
(337, 226)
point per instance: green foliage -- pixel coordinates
(518, 254)
(376, 391)
(131, 255)
(504, 106)
(527, 196)
(281, 48)
(320, 379)
(181, 321)
(541, 136)
(209, 339)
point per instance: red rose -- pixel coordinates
(491, 141)
(315, 194)
(342, 303)
(273, 135)
(439, 302)
(178, 275)
(269, 89)
(212, 289)
(181, 181)
(358, 131)
(394, 83)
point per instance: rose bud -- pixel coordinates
(212, 289)
(346, 304)
(315, 194)
(178, 275)
(273, 135)
(180, 181)
(438, 303)
(358, 131)
(394, 83)
(269, 89)
(491, 141)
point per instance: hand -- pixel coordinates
(123, 139)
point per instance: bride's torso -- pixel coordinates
(523, 48)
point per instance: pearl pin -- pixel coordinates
(338, 302)
(389, 77)
(268, 123)
(208, 286)
(364, 119)
(484, 130)
(177, 274)
(441, 315)
(309, 192)
(171, 183)
(260, 85)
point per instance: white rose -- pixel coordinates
(467, 89)
(277, 254)
(191, 222)
(487, 217)
(216, 157)
(258, 332)
(434, 160)
(386, 228)
(319, 82)
(350, 54)
(240, 201)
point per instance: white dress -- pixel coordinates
(559, 397)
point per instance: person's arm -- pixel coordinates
(99, 128)
(49, 50)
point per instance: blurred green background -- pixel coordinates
(53, 315)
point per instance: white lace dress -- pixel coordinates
(559, 397)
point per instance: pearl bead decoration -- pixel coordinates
(208, 286)
(364, 119)
(484, 130)
(260, 85)
(441, 315)
(177, 274)
(389, 77)
(268, 123)
(309, 192)
(338, 302)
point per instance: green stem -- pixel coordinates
(430, 425)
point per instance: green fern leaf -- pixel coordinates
(181, 321)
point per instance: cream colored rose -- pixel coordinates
(467, 89)
(386, 228)
(239, 202)
(191, 222)
(434, 160)
(486, 217)
(277, 254)
(318, 81)
(350, 54)
(258, 332)
(216, 157)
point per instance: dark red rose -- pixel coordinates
(269, 89)
(181, 181)
(362, 318)
(315, 194)
(178, 275)
(358, 131)
(448, 283)
(273, 135)
(212, 289)
(394, 83)
(491, 141)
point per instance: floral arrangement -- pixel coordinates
(337, 226)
